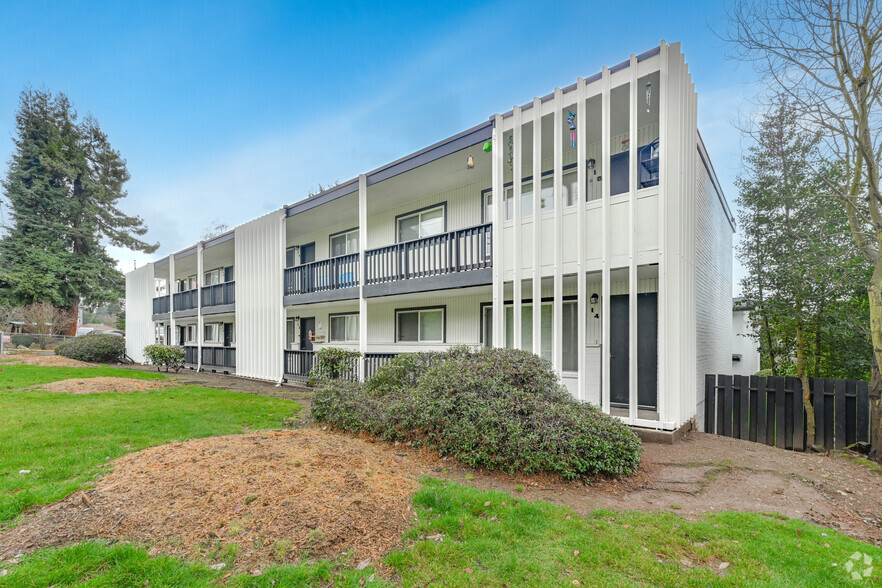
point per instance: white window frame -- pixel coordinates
(419, 214)
(347, 318)
(214, 276)
(345, 236)
(218, 329)
(420, 312)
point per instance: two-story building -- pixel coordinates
(596, 203)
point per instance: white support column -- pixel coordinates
(581, 259)
(605, 240)
(200, 341)
(557, 305)
(662, 205)
(171, 296)
(517, 262)
(537, 226)
(498, 257)
(283, 238)
(362, 274)
(632, 241)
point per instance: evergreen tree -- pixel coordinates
(804, 273)
(63, 189)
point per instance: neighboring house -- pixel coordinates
(624, 245)
(745, 352)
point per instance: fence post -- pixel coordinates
(2, 336)
(762, 398)
(799, 433)
(710, 398)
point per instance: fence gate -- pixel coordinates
(768, 409)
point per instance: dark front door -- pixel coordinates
(181, 331)
(307, 327)
(228, 334)
(647, 350)
(618, 348)
(307, 253)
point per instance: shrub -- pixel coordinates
(23, 340)
(332, 363)
(94, 348)
(167, 356)
(502, 409)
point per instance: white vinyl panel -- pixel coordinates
(259, 265)
(140, 330)
(463, 321)
(463, 210)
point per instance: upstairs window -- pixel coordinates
(344, 243)
(420, 224)
(215, 276)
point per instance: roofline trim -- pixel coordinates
(715, 182)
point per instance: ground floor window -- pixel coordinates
(212, 332)
(344, 328)
(420, 325)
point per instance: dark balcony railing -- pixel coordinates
(186, 300)
(299, 364)
(447, 253)
(218, 294)
(160, 304)
(318, 276)
(191, 354)
(374, 361)
(219, 357)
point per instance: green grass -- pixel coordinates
(65, 439)
(461, 542)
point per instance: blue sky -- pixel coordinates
(228, 110)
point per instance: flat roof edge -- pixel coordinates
(705, 158)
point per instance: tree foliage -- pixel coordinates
(825, 56)
(63, 189)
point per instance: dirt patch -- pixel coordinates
(45, 360)
(275, 496)
(102, 385)
(707, 473)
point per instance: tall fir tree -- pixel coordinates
(63, 189)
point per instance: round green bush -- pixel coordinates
(502, 409)
(22, 340)
(93, 348)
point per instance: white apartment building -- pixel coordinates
(597, 203)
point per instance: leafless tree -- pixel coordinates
(9, 315)
(215, 229)
(41, 318)
(825, 56)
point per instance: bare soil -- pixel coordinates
(277, 496)
(103, 385)
(30, 358)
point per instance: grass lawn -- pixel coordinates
(463, 537)
(461, 541)
(65, 439)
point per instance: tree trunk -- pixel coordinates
(74, 311)
(817, 370)
(800, 373)
(874, 290)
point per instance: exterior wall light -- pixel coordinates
(594, 298)
(470, 162)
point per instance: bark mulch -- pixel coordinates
(44, 360)
(102, 385)
(279, 496)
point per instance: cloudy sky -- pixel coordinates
(228, 110)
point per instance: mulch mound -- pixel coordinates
(279, 496)
(45, 360)
(102, 385)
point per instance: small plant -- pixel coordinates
(470, 476)
(236, 528)
(93, 348)
(280, 549)
(519, 488)
(171, 357)
(251, 498)
(333, 363)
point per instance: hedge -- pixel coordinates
(93, 348)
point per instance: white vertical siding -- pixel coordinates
(140, 289)
(259, 314)
(744, 344)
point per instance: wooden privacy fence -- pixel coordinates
(769, 409)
